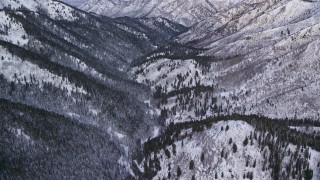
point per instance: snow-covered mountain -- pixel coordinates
(75, 3)
(229, 149)
(252, 59)
(186, 12)
(86, 96)
(68, 107)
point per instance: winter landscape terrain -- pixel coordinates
(150, 89)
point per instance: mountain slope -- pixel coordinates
(70, 107)
(37, 143)
(75, 3)
(259, 59)
(186, 12)
(253, 59)
(222, 148)
(71, 66)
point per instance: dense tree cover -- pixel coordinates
(87, 53)
(39, 144)
(279, 127)
(108, 43)
(185, 90)
(175, 51)
(53, 46)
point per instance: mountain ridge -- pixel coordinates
(184, 12)
(235, 95)
(252, 67)
(69, 65)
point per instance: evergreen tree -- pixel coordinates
(308, 174)
(174, 152)
(245, 142)
(202, 157)
(251, 176)
(191, 165)
(179, 171)
(230, 141)
(193, 177)
(234, 148)
(167, 153)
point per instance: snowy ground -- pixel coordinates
(55, 10)
(12, 31)
(265, 64)
(307, 130)
(18, 71)
(211, 143)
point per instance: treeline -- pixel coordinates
(272, 133)
(273, 126)
(175, 51)
(158, 94)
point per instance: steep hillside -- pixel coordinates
(252, 59)
(222, 148)
(141, 97)
(75, 3)
(40, 144)
(186, 12)
(72, 65)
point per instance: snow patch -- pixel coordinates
(12, 30)
(18, 71)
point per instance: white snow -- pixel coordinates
(211, 142)
(73, 115)
(18, 71)
(55, 10)
(148, 102)
(94, 111)
(115, 133)
(276, 76)
(187, 12)
(119, 135)
(123, 162)
(156, 131)
(11, 30)
(307, 130)
(21, 134)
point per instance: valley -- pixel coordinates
(230, 91)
